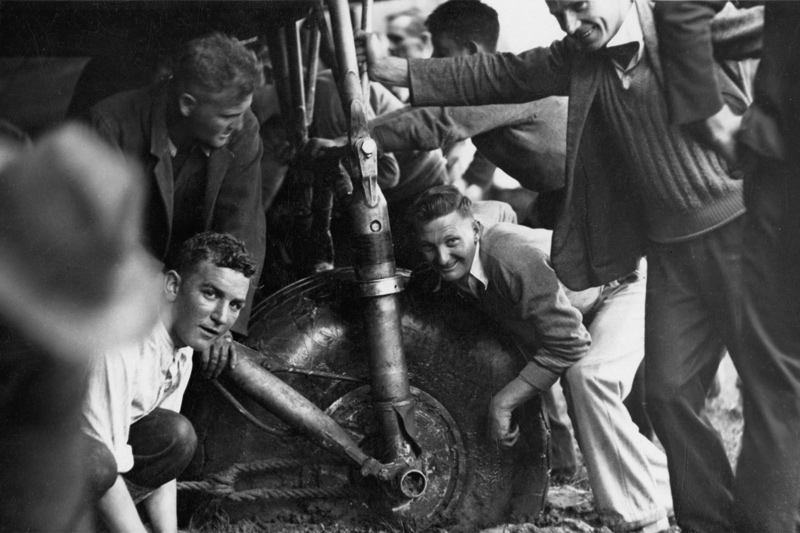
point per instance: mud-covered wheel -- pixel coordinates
(457, 359)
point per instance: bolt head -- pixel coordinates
(368, 147)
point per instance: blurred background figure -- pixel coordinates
(74, 280)
(407, 35)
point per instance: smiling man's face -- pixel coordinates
(592, 23)
(207, 303)
(449, 244)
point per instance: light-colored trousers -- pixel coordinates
(627, 472)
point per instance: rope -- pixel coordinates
(293, 494)
(222, 484)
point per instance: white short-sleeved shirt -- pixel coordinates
(128, 383)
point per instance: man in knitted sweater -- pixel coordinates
(636, 185)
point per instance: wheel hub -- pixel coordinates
(441, 464)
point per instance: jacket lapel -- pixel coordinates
(159, 148)
(645, 10)
(218, 162)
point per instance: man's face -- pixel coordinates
(448, 244)
(207, 303)
(213, 118)
(403, 43)
(444, 45)
(593, 23)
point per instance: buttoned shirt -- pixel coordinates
(127, 384)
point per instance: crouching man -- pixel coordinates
(139, 443)
(505, 269)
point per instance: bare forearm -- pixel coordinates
(117, 510)
(162, 508)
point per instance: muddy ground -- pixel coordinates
(569, 505)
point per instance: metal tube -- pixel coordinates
(293, 408)
(311, 75)
(366, 25)
(345, 52)
(295, 63)
(276, 40)
(374, 257)
(329, 55)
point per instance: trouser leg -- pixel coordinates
(767, 486)
(693, 311)
(100, 467)
(622, 464)
(163, 443)
(563, 461)
(637, 406)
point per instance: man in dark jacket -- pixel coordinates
(198, 142)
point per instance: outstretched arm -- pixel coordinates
(479, 79)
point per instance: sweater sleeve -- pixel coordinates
(545, 316)
(684, 32)
(692, 37)
(482, 79)
(429, 128)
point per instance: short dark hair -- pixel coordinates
(466, 20)
(215, 64)
(437, 202)
(221, 249)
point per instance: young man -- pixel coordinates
(506, 269)
(138, 441)
(635, 185)
(198, 142)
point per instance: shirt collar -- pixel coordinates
(163, 336)
(173, 150)
(629, 32)
(477, 274)
(477, 280)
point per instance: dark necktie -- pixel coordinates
(623, 54)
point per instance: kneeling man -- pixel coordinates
(505, 269)
(139, 443)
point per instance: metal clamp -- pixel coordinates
(381, 287)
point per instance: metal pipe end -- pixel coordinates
(413, 483)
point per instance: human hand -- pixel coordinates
(368, 50)
(220, 355)
(517, 392)
(373, 59)
(317, 147)
(500, 423)
(719, 132)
